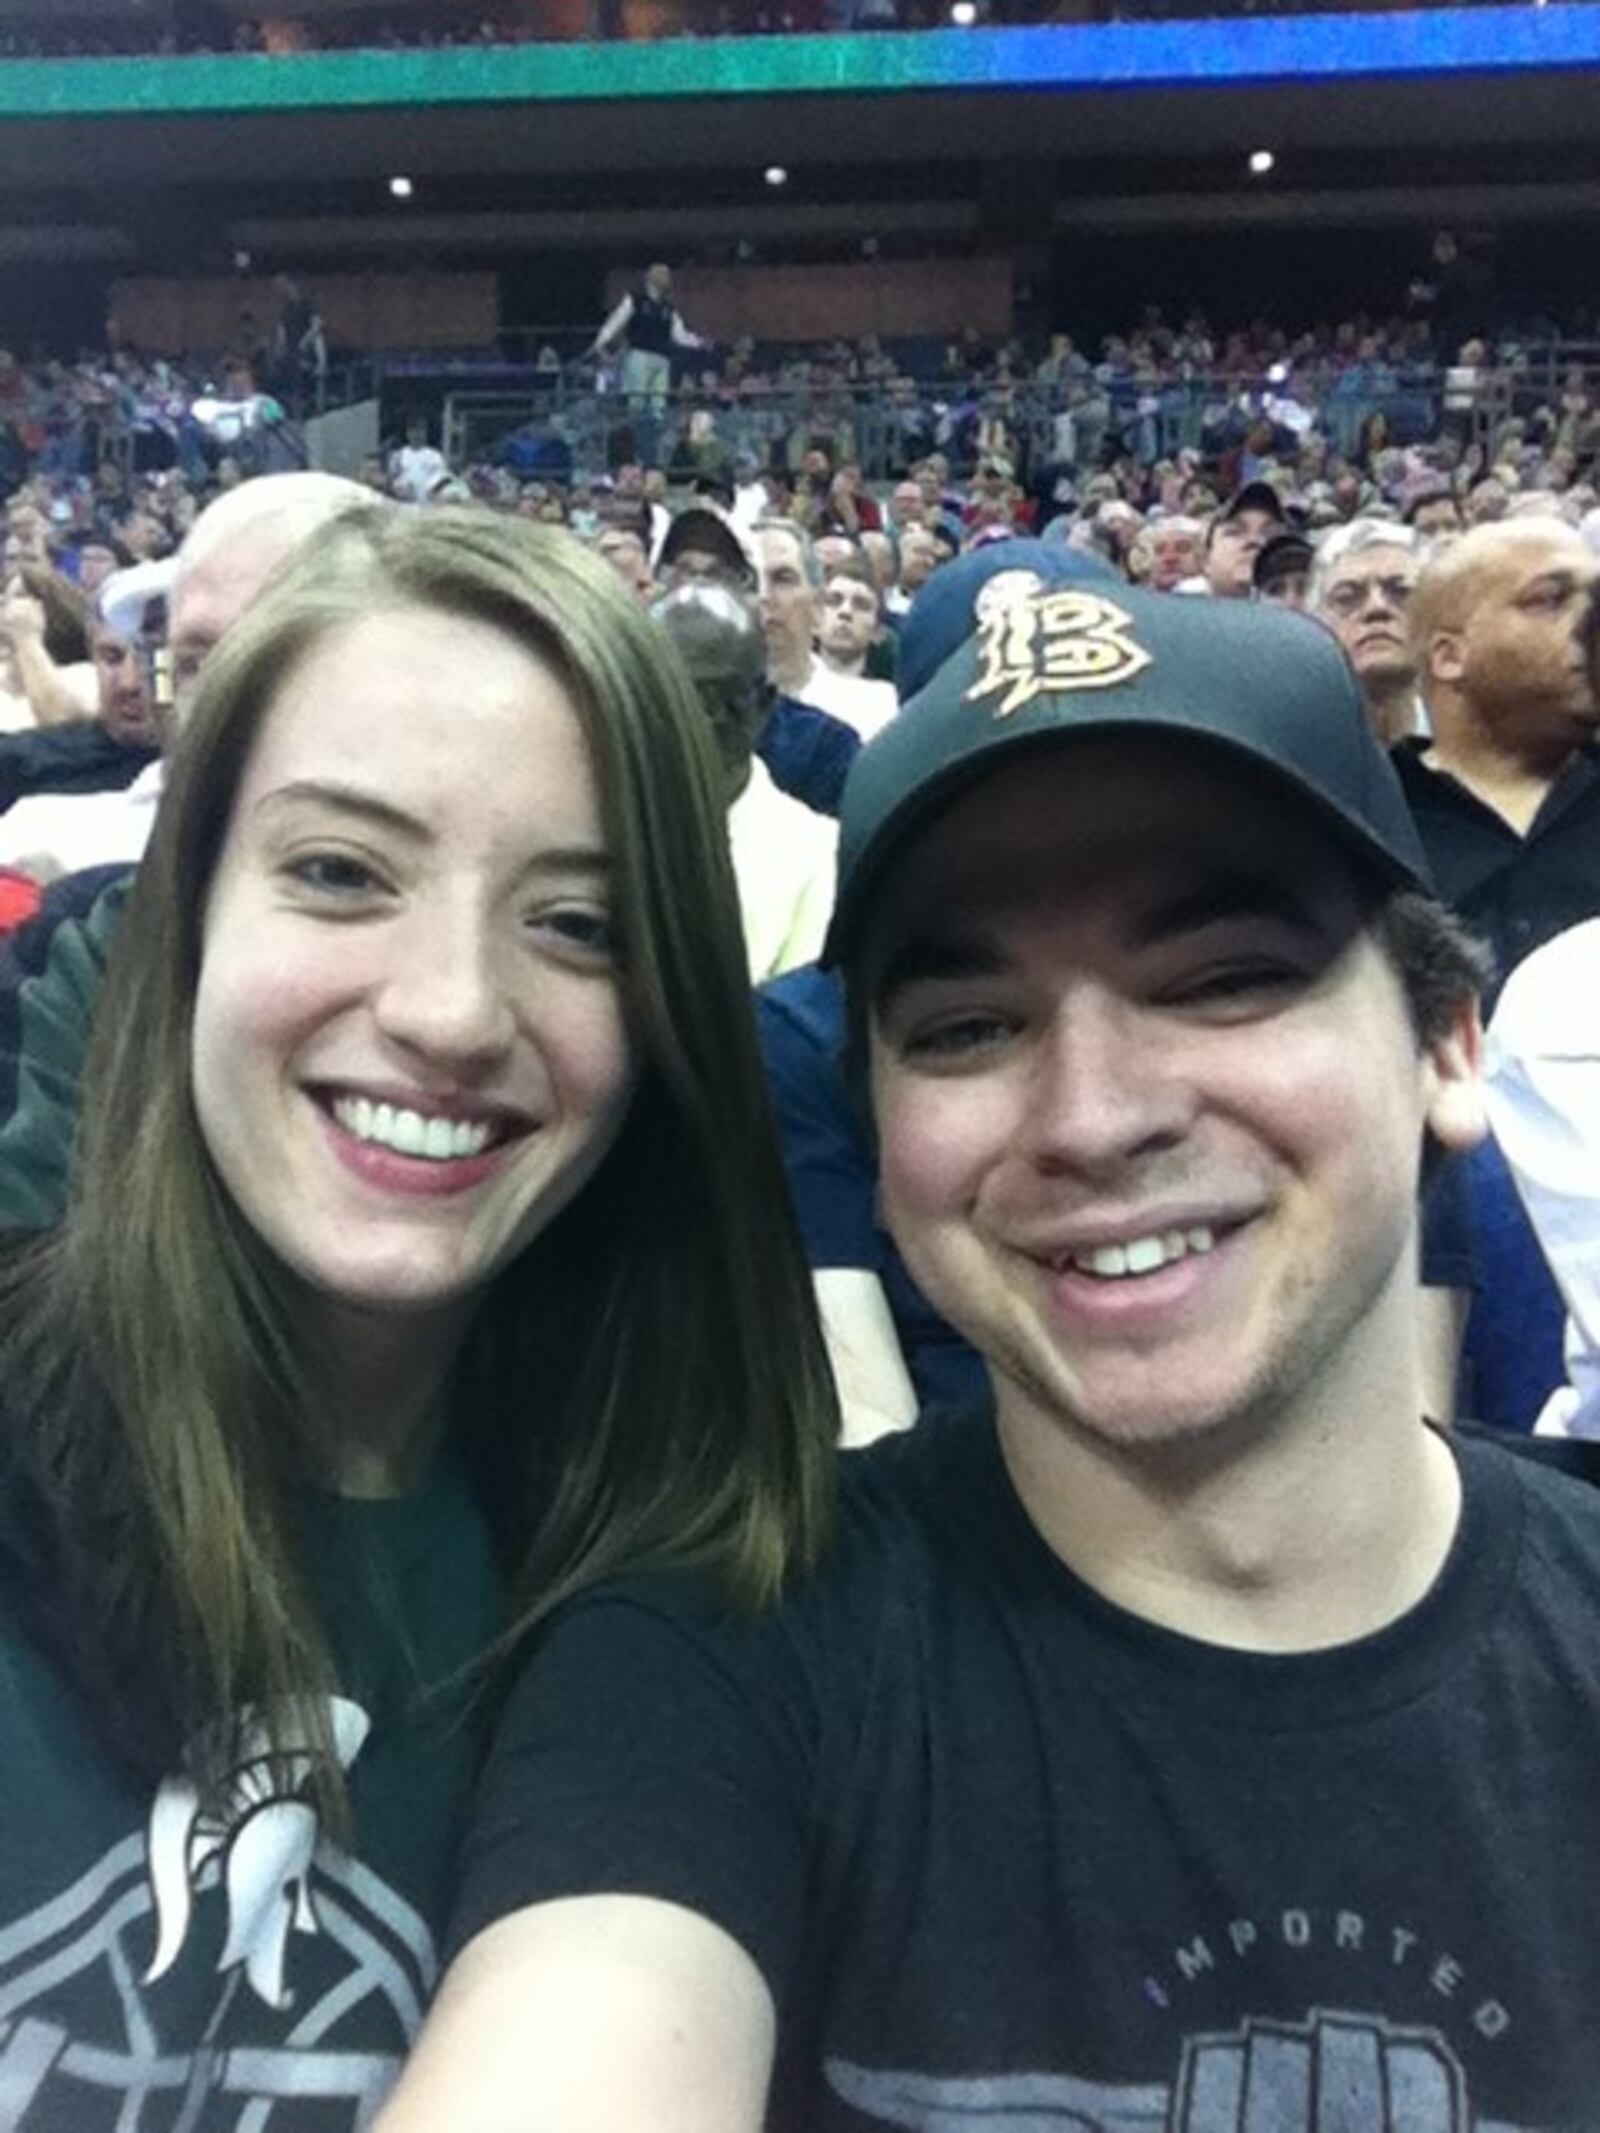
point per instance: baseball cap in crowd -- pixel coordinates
(700, 529)
(1281, 555)
(127, 596)
(1254, 496)
(951, 604)
(1271, 688)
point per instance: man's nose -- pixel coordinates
(1106, 1088)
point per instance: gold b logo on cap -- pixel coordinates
(1045, 643)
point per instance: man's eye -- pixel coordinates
(1234, 981)
(956, 1037)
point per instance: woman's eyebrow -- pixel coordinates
(353, 800)
(349, 800)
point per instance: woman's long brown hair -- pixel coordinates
(644, 1384)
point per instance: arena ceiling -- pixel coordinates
(1488, 113)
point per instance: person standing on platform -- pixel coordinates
(654, 327)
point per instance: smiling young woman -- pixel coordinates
(427, 1260)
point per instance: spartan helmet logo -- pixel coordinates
(286, 1983)
(261, 1844)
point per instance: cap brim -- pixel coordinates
(126, 594)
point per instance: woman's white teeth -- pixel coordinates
(437, 1140)
(1143, 1254)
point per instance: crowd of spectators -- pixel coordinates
(1268, 510)
(426, 27)
(1158, 415)
(1364, 403)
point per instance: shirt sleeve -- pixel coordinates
(50, 979)
(808, 752)
(1542, 1075)
(831, 1170)
(651, 1747)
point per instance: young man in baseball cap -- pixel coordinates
(1186, 1735)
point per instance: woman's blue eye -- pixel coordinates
(335, 872)
(594, 932)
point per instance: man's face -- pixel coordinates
(142, 536)
(625, 553)
(1148, 1099)
(95, 564)
(1442, 515)
(1363, 601)
(919, 557)
(27, 538)
(847, 622)
(208, 599)
(694, 566)
(126, 706)
(1287, 588)
(787, 601)
(1174, 555)
(907, 504)
(878, 549)
(1520, 654)
(1235, 543)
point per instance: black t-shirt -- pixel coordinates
(81, 757)
(1010, 1857)
(1517, 891)
(167, 1967)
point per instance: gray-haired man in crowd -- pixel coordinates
(51, 971)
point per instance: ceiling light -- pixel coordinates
(1261, 161)
(963, 13)
(401, 188)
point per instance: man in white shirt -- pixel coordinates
(783, 852)
(417, 468)
(849, 619)
(817, 646)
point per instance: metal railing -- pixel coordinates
(557, 423)
(564, 423)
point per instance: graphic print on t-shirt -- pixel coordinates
(1332, 2073)
(216, 1970)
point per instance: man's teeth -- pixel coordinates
(1111, 1262)
(437, 1140)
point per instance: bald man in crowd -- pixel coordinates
(51, 972)
(1506, 793)
(1506, 797)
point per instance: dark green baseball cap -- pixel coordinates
(1267, 686)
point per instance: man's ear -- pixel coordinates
(1443, 658)
(1456, 1117)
